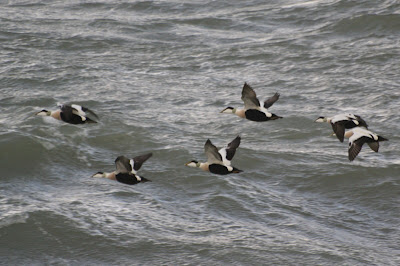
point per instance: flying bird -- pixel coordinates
(126, 170)
(72, 114)
(341, 122)
(218, 161)
(358, 136)
(252, 109)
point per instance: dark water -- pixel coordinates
(158, 73)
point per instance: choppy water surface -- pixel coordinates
(158, 73)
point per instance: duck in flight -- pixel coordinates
(252, 109)
(341, 122)
(72, 114)
(218, 161)
(358, 136)
(126, 170)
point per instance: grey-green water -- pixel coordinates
(158, 73)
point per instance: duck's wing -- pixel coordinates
(75, 114)
(89, 112)
(270, 101)
(355, 147)
(123, 164)
(228, 152)
(67, 112)
(78, 110)
(338, 129)
(232, 146)
(213, 156)
(249, 97)
(139, 160)
(374, 146)
(83, 111)
(361, 121)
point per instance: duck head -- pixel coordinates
(229, 110)
(193, 164)
(99, 174)
(44, 112)
(321, 119)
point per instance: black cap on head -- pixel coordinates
(98, 173)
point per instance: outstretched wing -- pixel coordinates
(355, 147)
(78, 110)
(76, 114)
(123, 164)
(249, 97)
(361, 121)
(269, 102)
(139, 160)
(374, 145)
(89, 112)
(213, 156)
(338, 128)
(83, 111)
(228, 152)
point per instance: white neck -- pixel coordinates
(56, 114)
(111, 175)
(239, 112)
(203, 166)
(348, 134)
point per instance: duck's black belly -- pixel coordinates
(350, 124)
(73, 119)
(129, 179)
(256, 115)
(218, 169)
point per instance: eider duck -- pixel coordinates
(252, 109)
(72, 114)
(358, 136)
(126, 170)
(218, 161)
(341, 122)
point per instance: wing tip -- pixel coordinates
(351, 158)
(247, 86)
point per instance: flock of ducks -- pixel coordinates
(219, 160)
(358, 134)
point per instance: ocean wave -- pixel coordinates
(376, 24)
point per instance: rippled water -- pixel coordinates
(158, 73)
